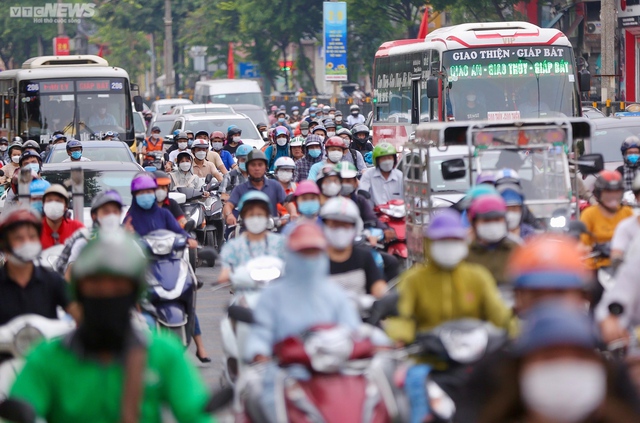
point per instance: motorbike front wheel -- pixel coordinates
(193, 258)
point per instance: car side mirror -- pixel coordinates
(18, 411)
(589, 164)
(453, 169)
(138, 103)
(241, 314)
(584, 81)
(432, 87)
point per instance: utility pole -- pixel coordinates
(60, 23)
(168, 51)
(607, 49)
(154, 76)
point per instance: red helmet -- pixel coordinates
(608, 180)
(216, 134)
(335, 142)
(487, 206)
(17, 217)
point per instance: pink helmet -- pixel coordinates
(306, 187)
(487, 206)
(143, 181)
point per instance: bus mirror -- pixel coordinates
(585, 80)
(453, 169)
(138, 103)
(432, 87)
(590, 164)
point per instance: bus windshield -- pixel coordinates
(79, 107)
(506, 83)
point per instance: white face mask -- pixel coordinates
(182, 145)
(304, 132)
(340, 238)
(53, 210)
(386, 165)
(335, 156)
(332, 116)
(161, 194)
(217, 146)
(236, 139)
(109, 222)
(27, 252)
(185, 166)
(331, 189)
(513, 219)
(200, 155)
(284, 176)
(448, 253)
(4, 147)
(15, 159)
(281, 142)
(330, 133)
(471, 98)
(491, 232)
(564, 390)
(255, 224)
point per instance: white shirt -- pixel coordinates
(82, 159)
(352, 120)
(174, 154)
(382, 190)
(625, 233)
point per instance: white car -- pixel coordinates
(161, 107)
(220, 122)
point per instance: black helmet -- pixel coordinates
(233, 130)
(256, 154)
(31, 144)
(358, 129)
(182, 136)
(28, 154)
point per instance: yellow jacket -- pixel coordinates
(602, 227)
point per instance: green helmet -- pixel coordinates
(297, 142)
(383, 149)
(113, 253)
(346, 170)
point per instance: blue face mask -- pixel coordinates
(309, 207)
(312, 114)
(75, 155)
(190, 143)
(34, 167)
(146, 201)
(633, 158)
(242, 166)
(315, 153)
(37, 206)
(281, 120)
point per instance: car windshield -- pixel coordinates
(164, 125)
(238, 98)
(138, 122)
(96, 182)
(117, 153)
(249, 131)
(607, 142)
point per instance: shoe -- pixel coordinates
(203, 359)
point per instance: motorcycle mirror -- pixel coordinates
(208, 255)
(220, 399)
(241, 314)
(590, 164)
(1, 172)
(17, 411)
(190, 226)
(208, 178)
(365, 194)
(288, 198)
(383, 308)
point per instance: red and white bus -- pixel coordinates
(476, 71)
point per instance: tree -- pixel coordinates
(478, 10)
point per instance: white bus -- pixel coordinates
(79, 95)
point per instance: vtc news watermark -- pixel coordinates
(54, 12)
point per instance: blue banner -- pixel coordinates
(335, 41)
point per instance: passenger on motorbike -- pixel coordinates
(384, 183)
(37, 188)
(182, 141)
(74, 151)
(238, 175)
(15, 151)
(313, 155)
(26, 287)
(513, 196)
(361, 141)
(334, 150)
(351, 267)
(492, 245)
(257, 240)
(627, 230)
(162, 197)
(278, 150)
(307, 198)
(217, 144)
(296, 147)
(201, 166)
(284, 168)
(445, 287)
(105, 364)
(234, 139)
(56, 226)
(630, 150)
(184, 176)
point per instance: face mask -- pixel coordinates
(339, 119)
(189, 143)
(471, 98)
(564, 390)
(330, 134)
(4, 147)
(448, 254)
(281, 142)
(335, 156)
(386, 165)
(513, 219)
(315, 153)
(35, 167)
(285, 176)
(75, 155)
(347, 190)
(340, 238)
(161, 194)
(361, 140)
(631, 158)
(255, 224)
(331, 189)
(242, 166)
(281, 120)
(146, 201)
(15, 159)
(185, 166)
(491, 232)
(37, 206)
(296, 113)
(309, 207)
(183, 145)
(106, 322)
(200, 155)
(236, 139)
(25, 253)
(109, 222)
(332, 116)
(53, 210)
(156, 136)
(217, 146)
(304, 132)
(312, 115)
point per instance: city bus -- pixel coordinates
(80, 95)
(473, 72)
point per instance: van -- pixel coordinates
(244, 95)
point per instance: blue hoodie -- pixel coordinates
(280, 152)
(145, 221)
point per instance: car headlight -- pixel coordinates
(465, 346)
(26, 337)
(441, 404)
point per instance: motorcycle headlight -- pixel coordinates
(265, 274)
(558, 222)
(397, 211)
(441, 404)
(161, 247)
(465, 346)
(25, 338)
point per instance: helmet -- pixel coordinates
(304, 124)
(296, 142)
(155, 129)
(607, 180)
(200, 143)
(294, 108)
(28, 154)
(305, 236)
(161, 178)
(512, 194)
(312, 140)
(338, 113)
(257, 197)
(15, 144)
(256, 154)
(312, 109)
(143, 181)
(261, 125)
(341, 209)
(360, 128)
(326, 109)
(320, 127)
(182, 136)
(384, 149)
(106, 197)
(217, 134)
(477, 191)
(108, 134)
(343, 131)
(58, 190)
(281, 112)
(281, 130)
(328, 123)
(487, 206)
(285, 163)
(113, 253)
(56, 137)
(327, 170)
(243, 150)
(38, 187)
(185, 153)
(16, 139)
(18, 216)
(335, 142)
(346, 170)
(547, 262)
(630, 142)
(233, 130)
(73, 144)
(354, 107)
(306, 187)
(486, 177)
(189, 132)
(200, 132)
(31, 144)
(507, 176)
(445, 224)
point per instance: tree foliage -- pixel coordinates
(478, 10)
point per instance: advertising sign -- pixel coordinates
(61, 46)
(335, 41)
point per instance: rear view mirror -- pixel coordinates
(18, 411)
(190, 226)
(589, 164)
(584, 80)
(208, 178)
(453, 169)
(365, 194)
(241, 314)
(289, 198)
(432, 87)
(138, 103)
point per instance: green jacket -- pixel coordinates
(430, 296)
(494, 259)
(62, 387)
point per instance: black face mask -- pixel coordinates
(106, 323)
(362, 140)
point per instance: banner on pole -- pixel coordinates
(335, 40)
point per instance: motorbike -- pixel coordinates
(154, 159)
(172, 283)
(247, 283)
(393, 214)
(214, 229)
(18, 336)
(195, 212)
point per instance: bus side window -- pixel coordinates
(425, 103)
(436, 107)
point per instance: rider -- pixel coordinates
(254, 208)
(281, 116)
(335, 150)
(153, 143)
(31, 160)
(56, 226)
(627, 230)
(320, 131)
(280, 148)
(329, 183)
(138, 374)
(630, 149)
(492, 245)
(37, 188)
(4, 154)
(201, 166)
(351, 267)
(234, 139)
(31, 145)
(217, 144)
(15, 151)
(361, 141)
(340, 124)
(385, 182)
(162, 197)
(296, 147)
(74, 150)
(304, 129)
(284, 168)
(295, 115)
(355, 117)
(446, 287)
(238, 175)
(184, 175)
(313, 155)
(352, 155)
(182, 141)
(514, 198)
(312, 114)
(330, 126)
(108, 136)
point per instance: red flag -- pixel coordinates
(231, 74)
(101, 50)
(424, 25)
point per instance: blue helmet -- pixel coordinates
(243, 150)
(254, 196)
(73, 144)
(38, 187)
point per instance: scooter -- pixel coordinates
(18, 336)
(155, 159)
(393, 214)
(247, 283)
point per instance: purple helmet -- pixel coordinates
(486, 178)
(445, 224)
(143, 181)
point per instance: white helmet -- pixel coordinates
(285, 163)
(354, 107)
(297, 142)
(341, 209)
